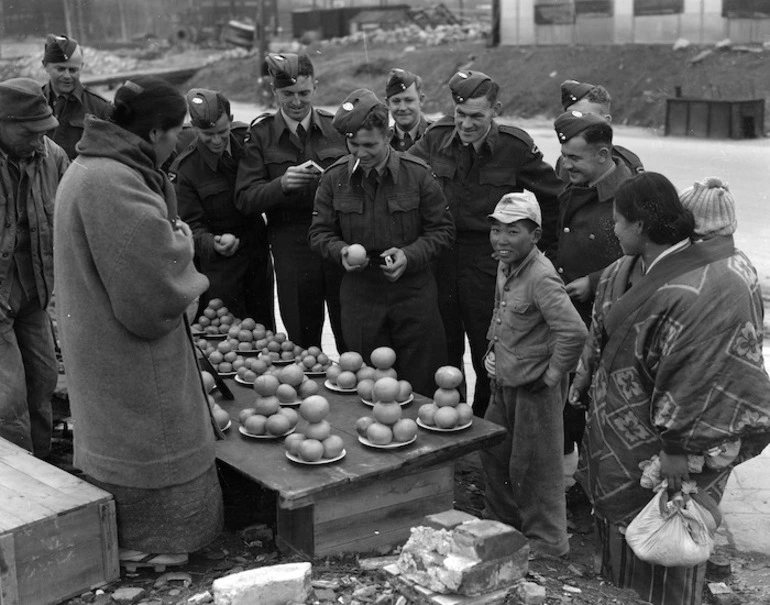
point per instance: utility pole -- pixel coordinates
(260, 43)
(67, 17)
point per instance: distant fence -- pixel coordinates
(527, 22)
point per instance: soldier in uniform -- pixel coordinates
(477, 161)
(404, 97)
(69, 100)
(587, 242)
(230, 249)
(590, 98)
(391, 204)
(274, 178)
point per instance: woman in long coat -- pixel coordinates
(125, 275)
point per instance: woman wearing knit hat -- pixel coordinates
(712, 206)
(674, 362)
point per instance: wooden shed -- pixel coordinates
(715, 118)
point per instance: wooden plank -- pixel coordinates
(58, 479)
(295, 531)
(60, 557)
(109, 543)
(411, 486)
(30, 499)
(367, 530)
(9, 588)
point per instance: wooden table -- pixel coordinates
(369, 499)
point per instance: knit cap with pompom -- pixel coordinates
(713, 207)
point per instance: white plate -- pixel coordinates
(227, 374)
(315, 374)
(283, 362)
(240, 380)
(206, 336)
(244, 432)
(438, 430)
(290, 404)
(337, 389)
(227, 426)
(299, 460)
(390, 446)
(371, 403)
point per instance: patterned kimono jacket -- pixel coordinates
(678, 366)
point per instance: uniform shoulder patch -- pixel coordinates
(521, 135)
(263, 117)
(408, 157)
(171, 176)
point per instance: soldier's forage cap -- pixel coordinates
(571, 123)
(204, 107)
(398, 81)
(283, 68)
(22, 100)
(713, 207)
(572, 91)
(353, 111)
(464, 84)
(514, 207)
(59, 48)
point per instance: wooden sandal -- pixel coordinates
(132, 560)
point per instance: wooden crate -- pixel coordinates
(366, 517)
(58, 536)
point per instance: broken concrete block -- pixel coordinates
(273, 585)
(530, 593)
(127, 595)
(449, 519)
(490, 556)
(486, 540)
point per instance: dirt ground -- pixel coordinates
(247, 542)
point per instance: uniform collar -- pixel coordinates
(415, 132)
(210, 158)
(608, 185)
(77, 93)
(488, 142)
(283, 122)
(392, 165)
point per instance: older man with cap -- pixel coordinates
(389, 203)
(404, 97)
(31, 166)
(590, 98)
(230, 248)
(284, 156)
(477, 161)
(587, 242)
(69, 100)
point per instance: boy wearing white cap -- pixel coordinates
(535, 340)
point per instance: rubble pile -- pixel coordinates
(414, 35)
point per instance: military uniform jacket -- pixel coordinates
(400, 145)
(71, 112)
(408, 211)
(271, 149)
(587, 242)
(205, 189)
(508, 162)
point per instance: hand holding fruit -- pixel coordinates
(226, 244)
(395, 269)
(354, 257)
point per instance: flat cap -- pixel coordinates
(59, 48)
(464, 84)
(398, 81)
(353, 111)
(204, 107)
(571, 123)
(514, 207)
(22, 100)
(283, 68)
(572, 91)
